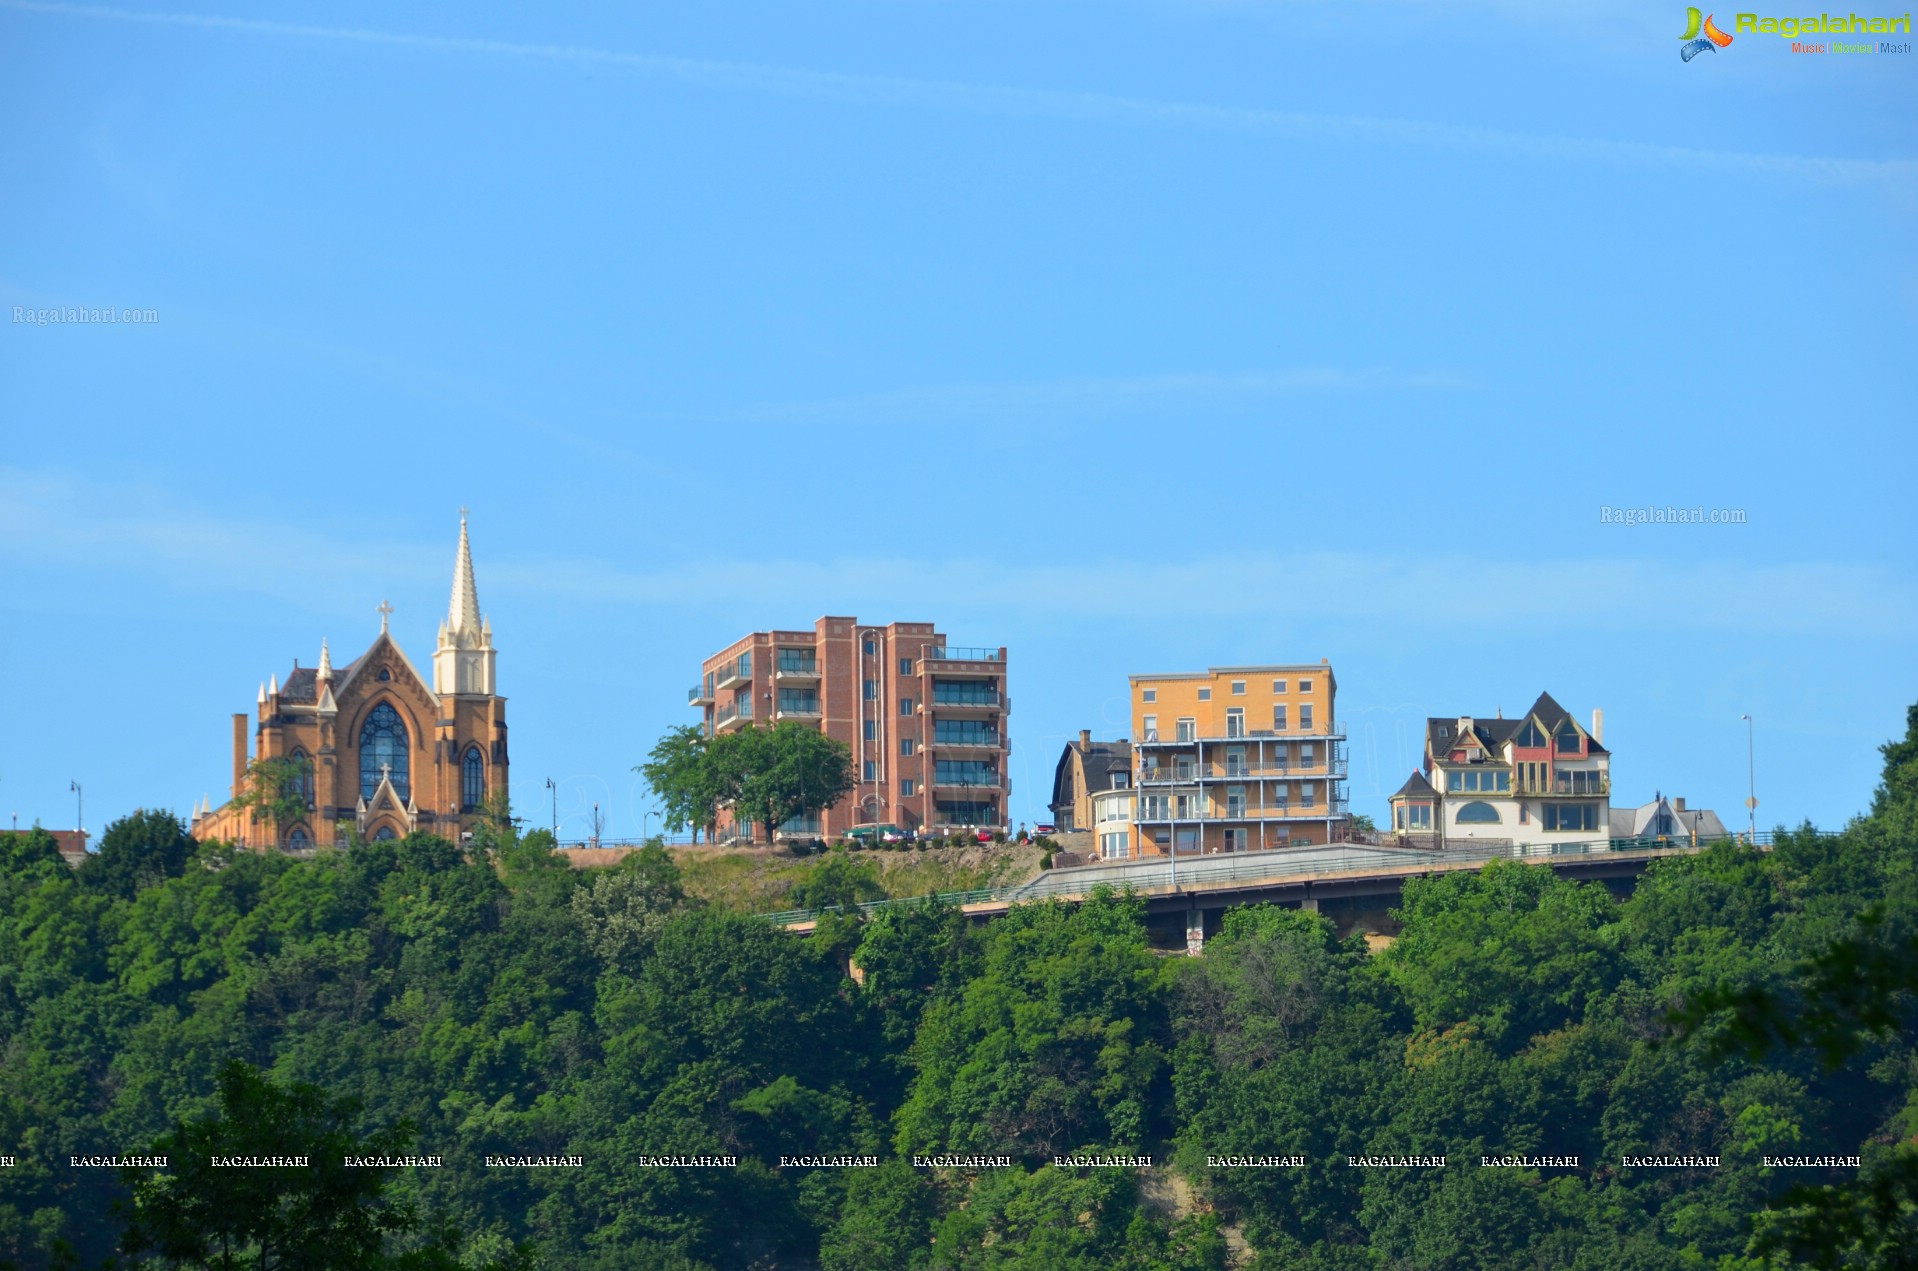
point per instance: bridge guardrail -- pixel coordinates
(1299, 863)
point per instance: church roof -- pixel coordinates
(301, 687)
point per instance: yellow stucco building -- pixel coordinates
(1238, 759)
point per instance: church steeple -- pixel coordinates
(463, 661)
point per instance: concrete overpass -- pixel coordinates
(1353, 883)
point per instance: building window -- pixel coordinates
(1568, 738)
(872, 729)
(871, 648)
(872, 690)
(1416, 816)
(1235, 722)
(1235, 840)
(905, 666)
(1483, 782)
(1305, 686)
(1454, 782)
(1580, 817)
(907, 745)
(964, 732)
(905, 787)
(905, 706)
(871, 770)
(1188, 729)
(298, 840)
(1205, 694)
(1306, 756)
(383, 752)
(384, 834)
(300, 785)
(1149, 695)
(1238, 688)
(1235, 801)
(1113, 846)
(1530, 736)
(1308, 793)
(1150, 729)
(1278, 686)
(1477, 813)
(1278, 718)
(1305, 714)
(472, 779)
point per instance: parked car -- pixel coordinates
(1045, 827)
(876, 834)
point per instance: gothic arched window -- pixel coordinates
(472, 779)
(384, 834)
(301, 784)
(383, 751)
(298, 841)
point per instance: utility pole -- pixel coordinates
(1751, 781)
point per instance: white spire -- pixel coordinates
(262, 700)
(326, 661)
(273, 689)
(463, 662)
(462, 614)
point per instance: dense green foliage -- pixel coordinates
(764, 775)
(501, 1002)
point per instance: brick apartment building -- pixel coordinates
(925, 721)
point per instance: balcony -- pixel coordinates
(1566, 784)
(984, 741)
(738, 671)
(798, 710)
(959, 660)
(967, 703)
(698, 696)
(730, 717)
(796, 671)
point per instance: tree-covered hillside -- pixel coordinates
(409, 999)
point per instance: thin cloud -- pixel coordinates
(1356, 130)
(133, 532)
(1051, 398)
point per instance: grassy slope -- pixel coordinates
(757, 880)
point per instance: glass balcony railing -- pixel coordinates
(954, 697)
(961, 653)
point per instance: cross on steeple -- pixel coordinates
(385, 611)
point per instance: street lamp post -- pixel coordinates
(79, 806)
(555, 790)
(1751, 781)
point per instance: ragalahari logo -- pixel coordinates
(1711, 41)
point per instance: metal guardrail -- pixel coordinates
(1281, 863)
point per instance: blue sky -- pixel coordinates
(1133, 336)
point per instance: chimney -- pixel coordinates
(1085, 739)
(1598, 726)
(1678, 805)
(239, 753)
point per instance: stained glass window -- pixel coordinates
(383, 747)
(301, 784)
(472, 779)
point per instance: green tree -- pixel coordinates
(138, 851)
(274, 791)
(319, 1214)
(773, 775)
(680, 773)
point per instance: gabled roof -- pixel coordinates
(352, 669)
(1416, 787)
(1441, 735)
(1098, 761)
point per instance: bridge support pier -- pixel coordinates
(1194, 932)
(1309, 903)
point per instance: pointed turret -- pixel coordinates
(273, 688)
(262, 697)
(463, 662)
(463, 612)
(326, 662)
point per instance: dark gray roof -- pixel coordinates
(1098, 760)
(1440, 734)
(301, 687)
(1417, 787)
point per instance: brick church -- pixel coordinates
(376, 749)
